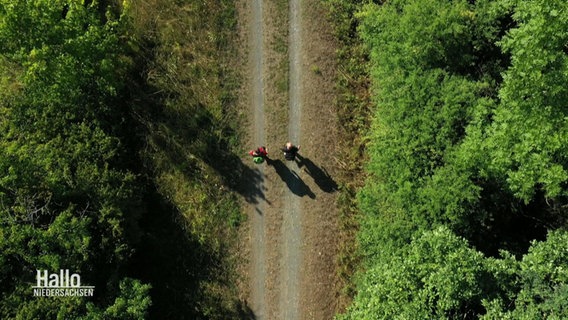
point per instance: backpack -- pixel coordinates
(258, 160)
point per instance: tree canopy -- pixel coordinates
(65, 190)
(466, 194)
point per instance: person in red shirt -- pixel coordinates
(259, 152)
(259, 155)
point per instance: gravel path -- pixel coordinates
(292, 223)
(258, 221)
(292, 214)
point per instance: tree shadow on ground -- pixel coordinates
(320, 175)
(179, 268)
(177, 265)
(178, 135)
(291, 178)
(185, 139)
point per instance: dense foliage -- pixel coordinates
(82, 186)
(468, 161)
(65, 191)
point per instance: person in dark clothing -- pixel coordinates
(290, 151)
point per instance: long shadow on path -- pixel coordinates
(291, 178)
(320, 175)
(252, 186)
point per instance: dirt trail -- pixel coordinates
(292, 217)
(258, 221)
(292, 214)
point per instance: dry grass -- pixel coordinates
(277, 66)
(353, 111)
(187, 48)
(187, 111)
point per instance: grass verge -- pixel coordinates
(186, 110)
(277, 66)
(353, 109)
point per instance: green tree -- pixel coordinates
(437, 277)
(472, 142)
(132, 302)
(540, 288)
(429, 91)
(527, 138)
(68, 197)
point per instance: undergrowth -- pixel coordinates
(353, 110)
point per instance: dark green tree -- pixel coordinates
(68, 199)
(468, 133)
(539, 289)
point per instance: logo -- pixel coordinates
(62, 284)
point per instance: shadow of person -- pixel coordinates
(291, 178)
(320, 175)
(252, 184)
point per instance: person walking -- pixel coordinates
(290, 151)
(259, 155)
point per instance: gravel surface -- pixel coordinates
(291, 244)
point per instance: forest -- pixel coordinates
(110, 112)
(463, 211)
(119, 157)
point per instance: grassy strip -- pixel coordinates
(186, 109)
(189, 125)
(353, 109)
(277, 66)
